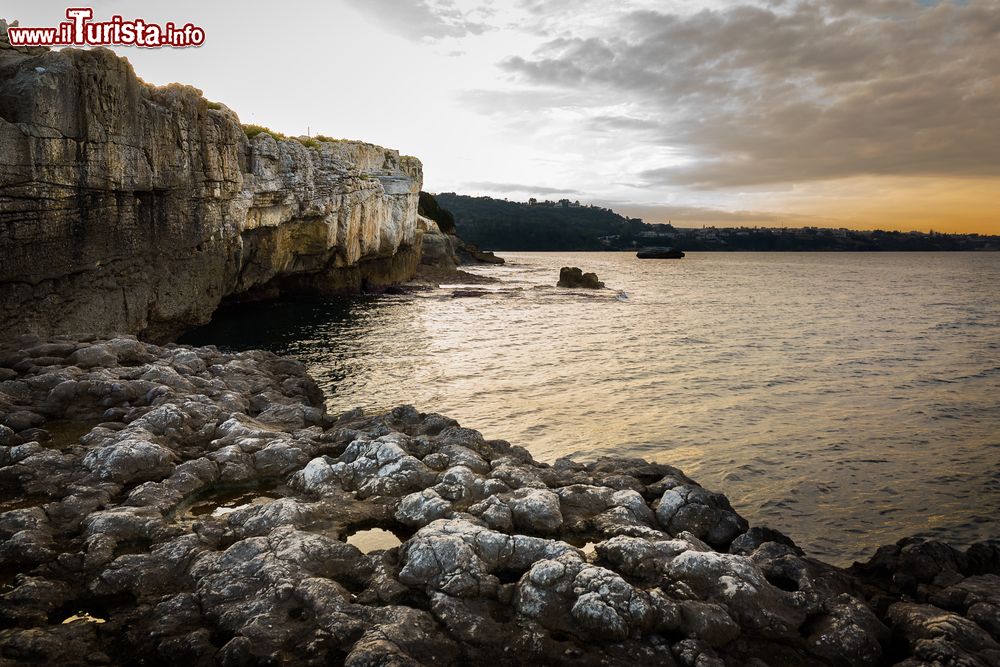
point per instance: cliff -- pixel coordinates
(131, 208)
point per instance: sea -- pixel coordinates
(846, 399)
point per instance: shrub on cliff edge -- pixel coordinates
(252, 131)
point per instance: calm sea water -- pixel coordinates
(848, 400)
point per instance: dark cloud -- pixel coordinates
(427, 19)
(794, 92)
(519, 188)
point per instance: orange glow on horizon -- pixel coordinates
(948, 205)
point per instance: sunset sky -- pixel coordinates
(854, 113)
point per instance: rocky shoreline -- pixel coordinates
(168, 504)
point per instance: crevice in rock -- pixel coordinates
(781, 581)
(97, 607)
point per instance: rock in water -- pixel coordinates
(469, 253)
(659, 253)
(172, 208)
(126, 545)
(574, 277)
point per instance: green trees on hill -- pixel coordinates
(497, 224)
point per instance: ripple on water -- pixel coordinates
(859, 368)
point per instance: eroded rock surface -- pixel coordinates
(113, 189)
(443, 247)
(183, 505)
(573, 276)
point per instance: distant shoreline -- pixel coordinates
(775, 252)
(507, 226)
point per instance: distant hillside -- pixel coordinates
(806, 239)
(496, 224)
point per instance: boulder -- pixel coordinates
(574, 277)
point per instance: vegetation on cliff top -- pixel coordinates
(253, 130)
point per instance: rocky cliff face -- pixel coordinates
(132, 208)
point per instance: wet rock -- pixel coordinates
(696, 653)
(749, 541)
(535, 510)
(402, 636)
(734, 581)
(939, 637)
(94, 356)
(130, 460)
(33, 599)
(381, 467)
(706, 515)
(434, 423)
(469, 253)
(468, 293)
(8, 437)
(64, 644)
(707, 621)
(848, 634)
(421, 508)
(567, 594)
(494, 513)
(459, 558)
(574, 277)
(21, 420)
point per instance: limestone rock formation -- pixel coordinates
(442, 247)
(165, 505)
(133, 208)
(437, 249)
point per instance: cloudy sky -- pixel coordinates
(856, 113)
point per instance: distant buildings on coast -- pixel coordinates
(804, 238)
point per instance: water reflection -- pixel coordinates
(834, 396)
(355, 347)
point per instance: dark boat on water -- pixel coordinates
(659, 253)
